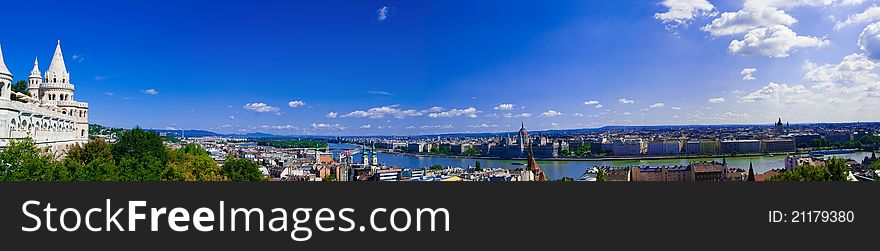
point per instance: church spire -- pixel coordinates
(3, 69)
(57, 68)
(35, 73)
(751, 176)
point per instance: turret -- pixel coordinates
(5, 80)
(35, 80)
(56, 85)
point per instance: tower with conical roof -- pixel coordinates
(5, 80)
(751, 176)
(523, 138)
(56, 85)
(35, 80)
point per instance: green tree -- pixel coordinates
(21, 87)
(478, 167)
(23, 161)
(803, 173)
(566, 178)
(472, 151)
(237, 169)
(94, 150)
(837, 169)
(140, 156)
(194, 167)
(193, 149)
(435, 167)
(601, 175)
(92, 161)
(331, 177)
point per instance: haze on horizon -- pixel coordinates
(433, 67)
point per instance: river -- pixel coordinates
(558, 169)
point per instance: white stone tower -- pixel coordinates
(5, 80)
(57, 86)
(35, 80)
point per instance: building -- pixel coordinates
(49, 115)
(671, 173)
(709, 171)
(627, 147)
(779, 128)
(418, 147)
(793, 161)
(838, 137)
(390, 174)
(698, 147)
(746, 146)
(805, 140)
(778, 146)
(664, 148)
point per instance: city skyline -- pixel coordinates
(404, 68)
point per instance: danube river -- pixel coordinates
(558, 169)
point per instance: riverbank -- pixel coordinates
(633, 158)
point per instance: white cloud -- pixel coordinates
(747, 73)
(550, 114)
(435, 126)
(625, 101)
(627, 113)
(591, 102)
(469, 112)
(716, 100)
(296, 103)
(261, 107)
(853, 80)
(871, 14)
(381, 112)
(599, 106)
(745, 20)
(798, 3)
(383, 13)
(331, 115)
(380, 93)
(681, 12)
(523, 115)
(366, 126)
(779, 94)
(483, 125)
(775, 41)
(150, 91)
(676, 108)
(869, 40)
(504, 107)
(281, 127)
(328, 126)
(433, 109)
(657, 105)
(577, 114)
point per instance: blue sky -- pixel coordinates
(422, 67)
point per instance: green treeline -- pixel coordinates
(137, 155)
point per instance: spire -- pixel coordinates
(57, 66)
(3, 69)
(751, 173)
(35, 73)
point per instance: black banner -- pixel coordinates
(494, 216)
